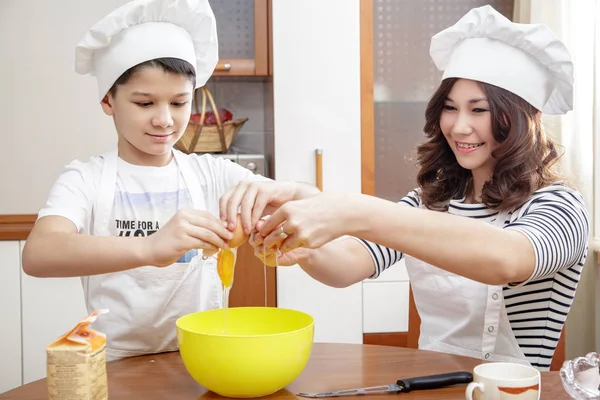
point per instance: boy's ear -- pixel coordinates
(106, 104)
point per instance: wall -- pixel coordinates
(50, 114)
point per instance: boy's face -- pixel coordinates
(151, 112)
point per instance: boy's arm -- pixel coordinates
(54, 248)
(57, 246)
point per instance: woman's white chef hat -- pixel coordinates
(528, 60)
(142, 30)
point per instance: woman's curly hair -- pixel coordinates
(525, 157)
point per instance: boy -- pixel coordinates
(130, 222)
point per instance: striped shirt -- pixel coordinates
(556, 222)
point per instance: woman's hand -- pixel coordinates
(309, 223)
(273, 257)
(254, 199)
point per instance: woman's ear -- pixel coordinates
(106, 104)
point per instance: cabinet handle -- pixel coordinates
(319, 168)
(223, 67)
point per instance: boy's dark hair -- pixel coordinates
(171, 65)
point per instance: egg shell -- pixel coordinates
(239, 237)
(270, 260)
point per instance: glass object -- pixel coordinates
(581, 377)
(404, 79)
(235, 27)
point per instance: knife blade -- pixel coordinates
(402, 385)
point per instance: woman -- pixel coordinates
(494, 240)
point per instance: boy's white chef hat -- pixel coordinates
(528, 60)
(142, 30)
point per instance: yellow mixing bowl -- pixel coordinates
(245, 351)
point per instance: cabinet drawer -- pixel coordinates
(51, 307)
(337, 312)
(385, 307)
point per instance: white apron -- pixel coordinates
(461, 316)
(145, 302)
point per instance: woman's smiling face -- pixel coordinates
(466, 123)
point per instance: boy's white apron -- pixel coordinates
(145, 302)
(461, 316)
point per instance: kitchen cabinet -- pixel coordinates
(10, 316)
(319, 105)
(33, 312)
(51, 307)
(386, 301)
(252, 280)
(244, 37)
(316, 87)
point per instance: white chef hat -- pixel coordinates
(528, 60)
(142, 30)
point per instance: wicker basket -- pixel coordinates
(200, 138)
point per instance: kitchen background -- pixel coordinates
(296, 74)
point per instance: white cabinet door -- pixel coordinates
(10, 316)
(51, 307)
(316, 88)
(385, 307)
(386, 300)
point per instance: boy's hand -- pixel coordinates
(254, 199)
(187, 229)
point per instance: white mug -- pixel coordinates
(503, 381)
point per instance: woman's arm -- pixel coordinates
(549, 233)
(340, 263)
(464, 246)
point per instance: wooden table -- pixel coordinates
(331, 367)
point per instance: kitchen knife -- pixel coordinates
(402, 385)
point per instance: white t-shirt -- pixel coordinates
(145, 198)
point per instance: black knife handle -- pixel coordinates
(435, 381)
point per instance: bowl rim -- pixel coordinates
(308, 326)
